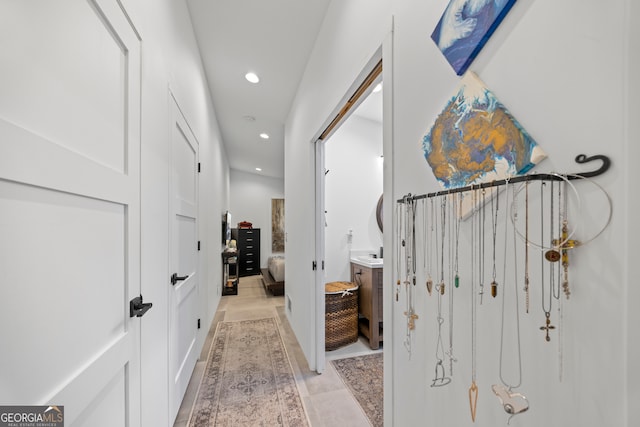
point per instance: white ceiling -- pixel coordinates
(274, 39)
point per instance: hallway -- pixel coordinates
(325, 397)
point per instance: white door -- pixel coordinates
(70, 210)
(184, 289)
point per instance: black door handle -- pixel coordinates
(137, 308)
(175, 278)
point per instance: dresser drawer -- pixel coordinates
(248, 242)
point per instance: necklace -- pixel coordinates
(457, 204)
(526, 247)
(458, 215)
(565, 234)
(547, 312)
(443, 216)
(513, 403)
(440, 378)
(473, 389)
(399, 245)
(431, 242)
(494, 229)
(410, 269)
(481, 244)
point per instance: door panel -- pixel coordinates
(183, 300)
(75, 67)
(69, 209)
(54, 231)
(107, 409)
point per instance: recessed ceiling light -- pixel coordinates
(378, 88)
(252, 77)
(264, 136)
(259, 169)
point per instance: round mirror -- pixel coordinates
(379, 213)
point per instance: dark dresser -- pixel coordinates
(248, 241)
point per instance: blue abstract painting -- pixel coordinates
(465, 27)
(476, 139)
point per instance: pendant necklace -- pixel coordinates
(565, 281)
(526, 246)
(512, 402)
(431, 242)
(494, 229)
(547, 312)
(565, 234)
(458, 215)
(457, 205)
(552, 255)
(410, 281)
(399, 245)
(557, 242)
(473, 389)
(443, 216)
(440, 379)
(481, 242)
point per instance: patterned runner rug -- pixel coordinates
(363, 375)
(248, 380)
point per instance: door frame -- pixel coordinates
(384, 55)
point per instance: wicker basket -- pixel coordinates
(341, 314)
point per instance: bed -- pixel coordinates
(273, 275)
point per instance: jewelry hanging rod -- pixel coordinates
(581, 159)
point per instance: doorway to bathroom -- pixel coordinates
(349, 187)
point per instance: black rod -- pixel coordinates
(606, 163)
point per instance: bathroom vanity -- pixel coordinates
(366, 272)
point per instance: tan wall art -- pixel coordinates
(277, 225)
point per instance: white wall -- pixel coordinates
(339, 56)
(251, 196)
(571, 87)
(353, 186)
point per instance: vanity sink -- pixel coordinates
(368, 261)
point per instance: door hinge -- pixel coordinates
(322, 265)
(198, 244)
(198, 167)
(314, 265)
(198, 323)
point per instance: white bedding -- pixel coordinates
(276, 267)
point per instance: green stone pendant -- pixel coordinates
(457, 281)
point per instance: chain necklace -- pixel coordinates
(440, 378)
(481, 243)
(565, 233)
(410, 268)
(443, 219)
(552, 255)
(526, 247)
(513, 403)
(547, 312)
(558, 242)
(399, 245)
(431, 242)
(458, 215)
(457, 205)
(494, 229)
(473, 389)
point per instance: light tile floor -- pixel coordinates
(325, 397)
